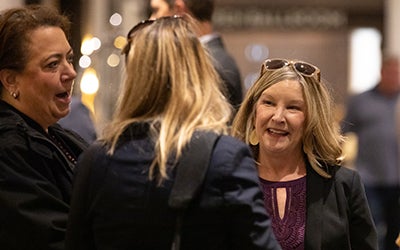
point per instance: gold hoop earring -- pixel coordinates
(253, 139)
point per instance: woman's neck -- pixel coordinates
(281, 168)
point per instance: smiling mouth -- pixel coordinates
(277, 132)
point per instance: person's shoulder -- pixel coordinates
(345, 175)
(97, 149)
(359, 103)
(15, 139)
(9, 119)
(363, 95)
(343, 171)
(11, 139)
(217, 47)
(232, 158)
(227, 142)
(229, 150)
(338, 173)
(12, 129)
(93, 157)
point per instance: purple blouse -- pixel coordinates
(289, 230)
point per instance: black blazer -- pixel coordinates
(227, 70)
(338, 216)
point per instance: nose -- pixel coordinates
(278, 115)
(69, 72)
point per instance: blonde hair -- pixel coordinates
(321, 140)
(172, 85)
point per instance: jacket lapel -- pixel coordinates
(314, 213)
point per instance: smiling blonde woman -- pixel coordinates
(287, 119)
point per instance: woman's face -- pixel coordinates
(280, 116)
(45, 85)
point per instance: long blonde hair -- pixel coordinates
(172, 85)
(322, 141)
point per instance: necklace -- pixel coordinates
(66, 153)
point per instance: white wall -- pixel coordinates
(392, 22)
(5, 4)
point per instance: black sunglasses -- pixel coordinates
(141, 25)
(303, 68)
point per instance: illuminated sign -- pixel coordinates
(292, 18)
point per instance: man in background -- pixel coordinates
(202, 11)
(371, 116)
(160, 8)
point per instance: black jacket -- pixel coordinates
(35, 182)
(227, 70)
(116, 207)
(338, 216)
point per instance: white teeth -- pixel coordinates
(277, 131)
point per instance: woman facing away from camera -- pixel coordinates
(37, 156)
(287, 118)
(121, 190)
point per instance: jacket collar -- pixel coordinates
(16, 117)
(314, 206)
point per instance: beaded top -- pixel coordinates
(289, 230)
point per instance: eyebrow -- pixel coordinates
(266, 95)
(70, 51)
(298, 102)
(59, 55)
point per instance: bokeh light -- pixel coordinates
(89, 82)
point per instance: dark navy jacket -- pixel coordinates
(115, 205)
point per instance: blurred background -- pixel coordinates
(344, 38)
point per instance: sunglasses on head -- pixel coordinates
(303, 68)
(141, 25)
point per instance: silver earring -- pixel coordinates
(14, 94)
